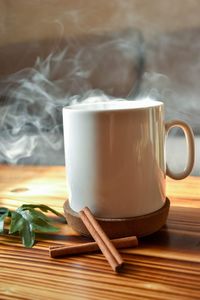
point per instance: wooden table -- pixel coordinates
(166, 265)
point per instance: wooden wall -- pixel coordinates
(31, 28)
(36, 20)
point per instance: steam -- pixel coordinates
(32, 99)
(29, 113)
(172, 72)
(31, 110)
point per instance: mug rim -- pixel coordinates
(113, 105)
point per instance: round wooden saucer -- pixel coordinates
(115, 228)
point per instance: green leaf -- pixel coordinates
(32, 220)
(42, 207)
(43, 226)
(27, 235)
(22, 222)
(26, 220)
(17, 222)
(4, 212)
(35, 214)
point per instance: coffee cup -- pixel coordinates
(115, 156)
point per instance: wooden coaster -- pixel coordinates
(115, 228)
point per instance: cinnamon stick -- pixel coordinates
(84, 248)
(110, 252)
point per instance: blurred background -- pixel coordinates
(55, 51)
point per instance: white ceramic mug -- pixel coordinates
(115, 157)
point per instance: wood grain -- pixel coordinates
(166, 265)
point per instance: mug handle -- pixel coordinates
(190, 148)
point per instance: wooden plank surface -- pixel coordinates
(166, 265)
